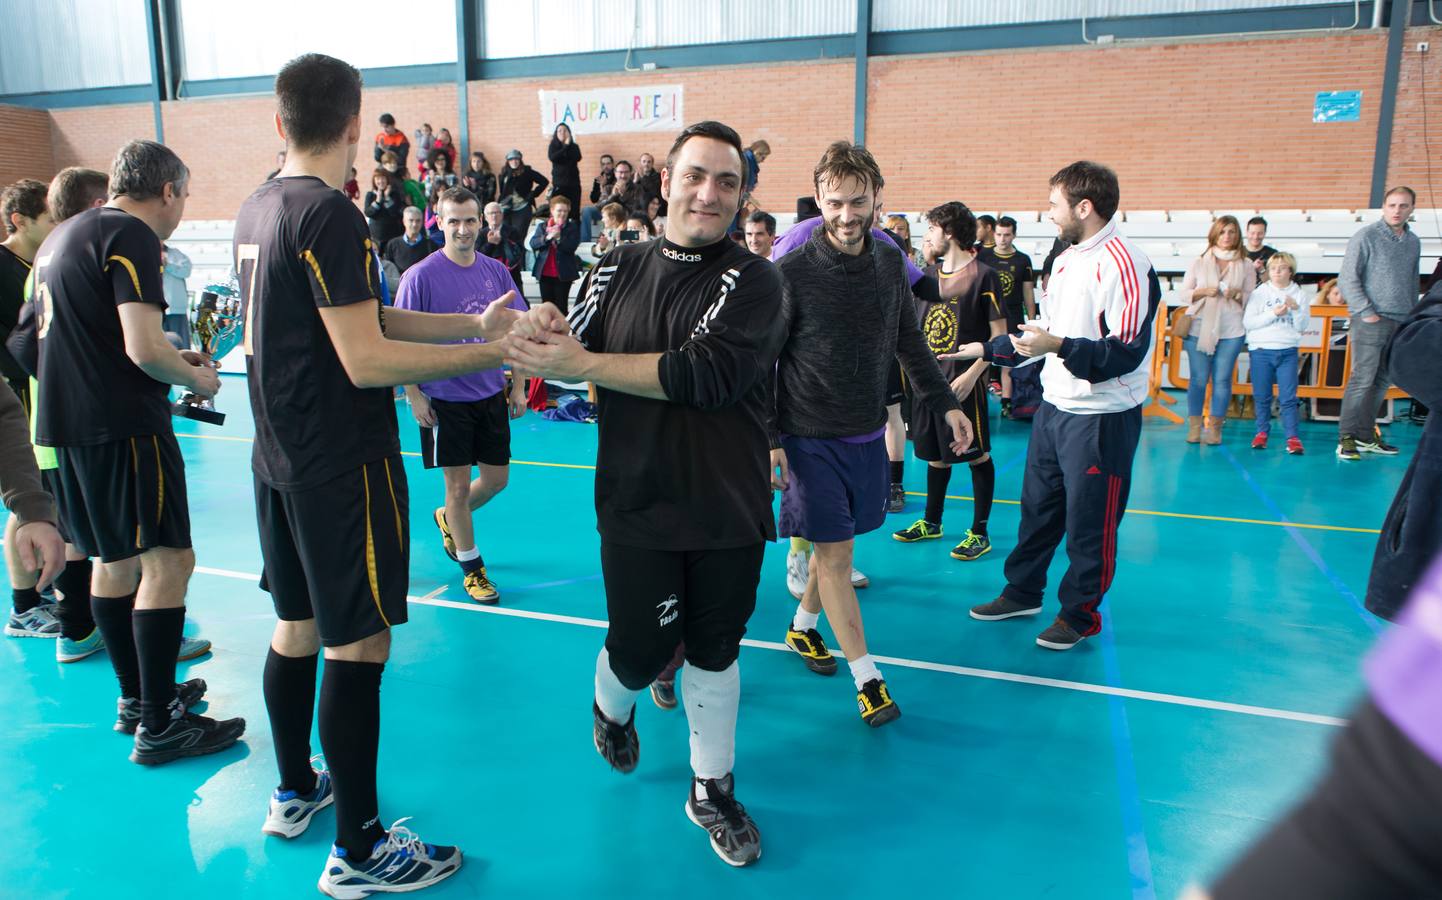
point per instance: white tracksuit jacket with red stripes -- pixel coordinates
(1102, 302)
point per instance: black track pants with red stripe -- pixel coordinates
(1078, 473)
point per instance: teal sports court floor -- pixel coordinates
(1126, 768)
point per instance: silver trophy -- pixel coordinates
(216, 328)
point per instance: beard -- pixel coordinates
(1071, 232)
(833, 228)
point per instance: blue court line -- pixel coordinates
(1139, 858)
(1327, 571)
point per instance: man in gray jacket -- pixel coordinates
(848, 313)
(1379, 281)
(37, 540)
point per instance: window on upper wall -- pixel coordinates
(919, 15)
(73, 45)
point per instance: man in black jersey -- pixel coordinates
(1014, 272)
(105, 371)
(965, 307)
(679, 337)
(330, 489)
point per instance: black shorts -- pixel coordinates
(466, 433)
(895, 384)
(932, 436)
(659, 599)
(338, 553)
(1369, 829)
(123, 498)
(50, 483)
(1015, 315)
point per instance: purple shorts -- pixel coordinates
(838, 488)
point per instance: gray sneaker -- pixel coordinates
(37, 622)
(734, 836)
(896, 500)
(1003, 607)
(1059, 636)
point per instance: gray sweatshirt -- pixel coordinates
(1379, 272)
(847, 318)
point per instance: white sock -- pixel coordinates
(712, 699)
(863, 669)
(468, 555)
(615, 699)
(804, 620)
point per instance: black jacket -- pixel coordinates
(383, 212)
(846, 319)
(564, 246)
(482, 184)
(565, 167)
(1412, 532)
(508, 251)
(527, 182)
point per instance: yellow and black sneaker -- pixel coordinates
(974, 546)
(812, 650)
(920, 530)
(875, 703)
(480, 589)
(446, 539)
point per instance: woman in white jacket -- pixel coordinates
(1276, 315)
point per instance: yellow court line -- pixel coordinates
(1131, 512)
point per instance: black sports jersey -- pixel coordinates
(1012, 271)
(93, 393)
(301, 245)
(970, 302)
(13, 272)
(691, 472)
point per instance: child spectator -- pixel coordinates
(1276, 315)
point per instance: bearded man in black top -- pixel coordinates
(679, 337)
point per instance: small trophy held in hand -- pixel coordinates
(217, 329)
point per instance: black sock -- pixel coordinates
(937, 479)
(72, 586)
(983, 486)
(157, 643)
(289, 685)
(898, 469)
(350, 729)
(473, 565)
(26, 599)
(112, 617)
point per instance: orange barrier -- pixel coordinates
(1328, 369)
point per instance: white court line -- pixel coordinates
(965, 671)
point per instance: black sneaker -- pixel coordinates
(187, 735)
(1347, 448)
(974, 546)
(812, 649)
(874, 701)
(1059, 636)
(1006, 407)
(896, 502)
(1376, 444)
(734, 836)
(920, 530)
(664, 694)
(128, 710)
(619, 745)
(1003, 607)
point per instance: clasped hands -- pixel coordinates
(539, 342)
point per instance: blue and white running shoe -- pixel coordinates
(191, 647)
(401, 862)
(290, 812)
(68, 651)
(38, 622)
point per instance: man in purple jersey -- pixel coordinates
(464, 420)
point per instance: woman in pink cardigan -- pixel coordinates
(1216, 288)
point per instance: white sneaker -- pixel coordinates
(290, 813)
(797, 573)
(36, 622)
(858, 580)
(402, 862)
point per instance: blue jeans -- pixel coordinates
(1216, 367)
(1279, 367)
(590, 218)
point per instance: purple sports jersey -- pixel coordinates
(1405, 670)
(437, 285)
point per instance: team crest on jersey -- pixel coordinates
(1007, 281)
(940, 328)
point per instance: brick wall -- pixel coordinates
(1205, 124)
(28, 154)
(1407, 163)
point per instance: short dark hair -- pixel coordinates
(317, 96)
(457, 195)
(645, 221)
(955, 221)
(806, 208)
(1085, 180)
(626, 163)
(388, 119)
(142, 169)
(710, 128)
(1401, 189)
(26, 197)
(1256, 220)
(75, 190)
(606, 156)
(844, 159)
(1006, 222)
(987, 220)
(765, 219)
